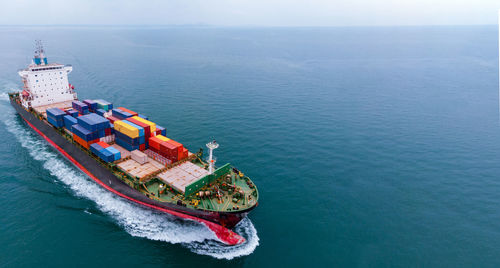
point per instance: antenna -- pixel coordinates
(39, 58)
(211, 161)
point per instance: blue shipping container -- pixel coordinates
(100, 112)
(69, 121)
(125, 145)
(162, 129)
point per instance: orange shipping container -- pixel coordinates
(154, 144)
(82, 142)
(103, 144)
(128, 111)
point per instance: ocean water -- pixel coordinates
(370, 146)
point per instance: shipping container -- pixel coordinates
(83, 133)
(120, 114)
(81, 107)
(92, 105)
(127, 139)
(93, 122)
(72, 112)
(95, 148)
(162, 138)
(153, 125)
(162, 130)
(128, 111)
(103, 144)
(154, 143)
(139, 157)
(82, 142)
(126, 129)
(116, 154)
(55, 122)
(146, 127)
(141, 130)
(69, 121)
(125, 145)
(105, 105)
(100, 112)
(112, 119)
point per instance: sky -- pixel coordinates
(249, 12)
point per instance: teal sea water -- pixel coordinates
(370, 146)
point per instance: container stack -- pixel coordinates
(81, 107)
(118, 113)
(100, 112)
(105, 152)
(89, 129)
(72, 112)
(55, 116)
(92, 105)
(129, 135)
(105, 105)
(167, 148)
(161, 130)
(69, 121)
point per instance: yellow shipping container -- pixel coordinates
(126, 129)
(161, 137)
(151, 124)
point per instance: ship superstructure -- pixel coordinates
(130, 155)
(44, 83)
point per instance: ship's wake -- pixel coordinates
(136, 220)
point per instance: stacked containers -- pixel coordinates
(72, 112)
(55, 116)
(92, 105)
(146, 127)
(100, 112)
(120, 114)
(105, 152)
(69, 121)
(168, 148)
(161, 130)
(102, 104)
(83, 136)
(151, 124)
(81, 107)
(89, 129)
(128, 135)
(128, 111)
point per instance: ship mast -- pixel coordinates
(211, 160)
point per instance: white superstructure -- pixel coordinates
(45, 83)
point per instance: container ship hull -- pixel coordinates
(219, 222)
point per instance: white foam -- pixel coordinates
(136, 220)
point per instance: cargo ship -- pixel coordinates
(127, 153)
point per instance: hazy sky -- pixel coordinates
(251, 12)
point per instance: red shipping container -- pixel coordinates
(103, 144)
(169, 151)
(128, 111)
(158, 132)
(154, 144)
(147, 128)
(112, 119)
(185, 153)
(142, 147)
(177, 145)
(107, 131)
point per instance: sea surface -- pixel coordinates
(370, 146)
